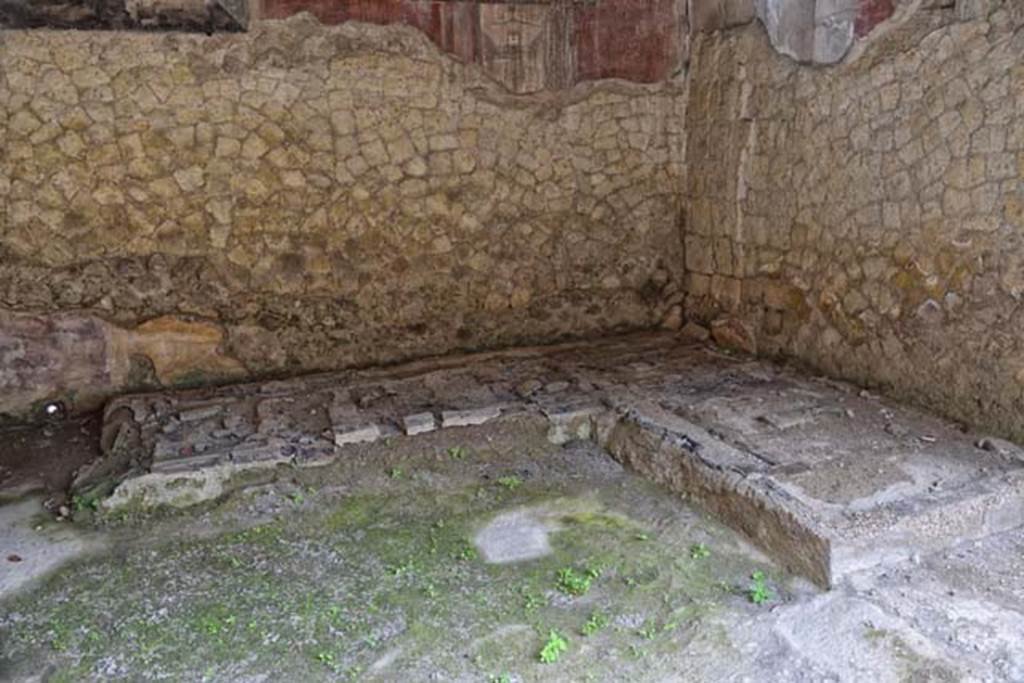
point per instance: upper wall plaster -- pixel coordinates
(530, 46)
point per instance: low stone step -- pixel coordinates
(825, 478)
(813, 535)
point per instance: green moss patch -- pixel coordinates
(375, 577)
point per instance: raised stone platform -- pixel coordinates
(824, 477)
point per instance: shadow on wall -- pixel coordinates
(205, 16)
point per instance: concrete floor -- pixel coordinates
(454, 554)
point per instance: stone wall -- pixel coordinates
(868, 218)
(183, 209)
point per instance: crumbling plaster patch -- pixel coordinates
(809, 31)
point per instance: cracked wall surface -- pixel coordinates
(869, 218)
(305, 197)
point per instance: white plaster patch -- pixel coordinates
(514, 536)
(29, 552)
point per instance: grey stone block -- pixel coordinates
(257, 451)
(188, 464)
(572, 422)
(345, 436)
(469, 418)
(420, 423)
(200, 413)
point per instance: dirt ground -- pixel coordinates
(473, 555)
(41, 459)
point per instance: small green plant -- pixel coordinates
(595, 623)
(61, 638)
(643, 537)
(457, 452)
(214, 625)
(297, 497)
(758, 590)
(648, 631)
(699, 551)
(553, 649)
(532, 602)
(85, 502)
(637, 652)
(511, 482)
(325, 658)
(572, 582)
(396, 473)
(500, 678)
(872, 633)
(465, 553)
(401, 569)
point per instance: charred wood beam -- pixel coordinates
(207, 16)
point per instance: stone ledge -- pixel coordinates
(826, 479)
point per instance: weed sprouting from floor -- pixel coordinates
(402, 569)
(214, 626)
(80, 503)
(637, 652)
(554, 648)
(758, 590)
(364, 574)
(511, 482)
(532, 602)
(576, 583)
(648, 631)
(465, 553)
(457, 452)
(699, 551)
(872, 633)
(596, 622)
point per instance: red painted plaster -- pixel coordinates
(637, 40)
(871, 14)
